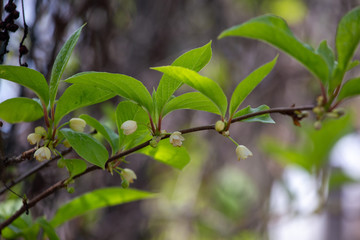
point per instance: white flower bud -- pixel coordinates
(219, 126)
(128, 175)
(77, 124)
(42, 154)
(41, 131)
(129, 127)
(34, 138)
(176, 139)
(243, 152)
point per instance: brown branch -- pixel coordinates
(61, 184)
(33, 170)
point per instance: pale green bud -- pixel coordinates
(317, 125)
(242, 152)
(128, 174)
(33, 138)
(129, 127)
(42, 154)
(77, 124)
(219, 126)
(41, 131)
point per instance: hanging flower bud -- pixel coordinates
(243, 152)
(33, 138)
(317, 125)
(41, 131)
(77, 124)
(128, 175)
(176, 139)
(42, 154)
(219, 126)
(129, 127)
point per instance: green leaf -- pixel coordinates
(74, 166)
(119, 84)
(87, 147)
(28, 78)
(166, 153)
(327, 53)
(109, 135)
(347, 37)
(48, 229)
(205, 85)
(246, 86)
(194, 59)
(77, 96)
(127, 110)
(101, 198)
(350, 89)
(20, 109)
(353, 64)
(275, 31)
(191, 100)
(286, 154)
(60, 63)
(264, 118)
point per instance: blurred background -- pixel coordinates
(300, 183)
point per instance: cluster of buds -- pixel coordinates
(321, 113)
(128, 176)
(34, 138)
(220, 127)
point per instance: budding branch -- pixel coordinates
(61, 184)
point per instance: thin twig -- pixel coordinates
(61, 184)
(33, 170)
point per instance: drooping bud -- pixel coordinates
(77, 124)
(128, 174)
(41, 131)
(42, 154)
(33, 138)
(317, 125)
(242, 152)
(219, 126)
(176, 139)
(129, 127)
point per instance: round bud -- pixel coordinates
(70, 190)
(219, 126)
(41, 131)
(129, 127)
(77, 124)
(124, 183)
(317, 125)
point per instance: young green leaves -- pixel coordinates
(60, 63)
(194, 59)
(347, 40)
(275, 31)
(28, 78)
(246, 86)
(205, 85)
